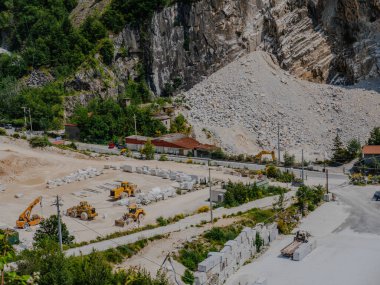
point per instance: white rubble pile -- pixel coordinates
(79, 175)
(220, 265)
(241, 105)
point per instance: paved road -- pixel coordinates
(187, 222)
(335, 173)
(348, 246)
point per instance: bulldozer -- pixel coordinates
(26, 220)
(134, 214)
(84, 211)
(259, 156)
(125, 190)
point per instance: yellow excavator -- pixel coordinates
(259, 156)
(134, 214)
(126, 189)
(26, 218)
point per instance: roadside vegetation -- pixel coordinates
(239, 193)
(286, 216)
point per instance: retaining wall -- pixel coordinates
(219, 266)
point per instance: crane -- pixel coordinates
(26, 219)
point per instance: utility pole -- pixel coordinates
(134, 117)
(302, 168)
(30, 120)
(278, 144)
(327, 181)
(57, 203)
(209, 181)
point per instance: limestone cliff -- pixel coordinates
(333, 41)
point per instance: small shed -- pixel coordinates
(164, 119)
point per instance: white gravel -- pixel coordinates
(241, 105)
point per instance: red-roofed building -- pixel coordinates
(177, 144)
(371, 151)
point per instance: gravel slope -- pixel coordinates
(239, 107)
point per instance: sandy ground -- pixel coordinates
(348, 246)
(24, 170)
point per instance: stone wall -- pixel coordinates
(219, 266)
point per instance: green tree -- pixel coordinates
(49, 230)
(148, 150)
(340, 153)
(289, 160)
(107, 51)
(93, 29)
(353, 148)
(7, 255)
(259, 242)
(374, 138)
(180, 125)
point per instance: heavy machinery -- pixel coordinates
(134, 214)
(126, 189)
(26, 219)
(84, 211)
(300, 238)
(259, 156)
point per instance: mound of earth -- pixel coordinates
(240, 107)
(12, 166)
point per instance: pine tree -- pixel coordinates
(374, 138)
(340, 153)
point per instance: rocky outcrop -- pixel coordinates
(333, 41)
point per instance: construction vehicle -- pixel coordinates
(259, 156)
(26, 219)
(135, 214)
(84, 211)
(125, 190)
(300, 238)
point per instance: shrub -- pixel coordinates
(23, 137)
(203, 209)
(73, 146)
(163, 157)
(258, 242)
(39, 142)
(188, 277)
(272, 171)
(3, 132)
(162, 221)
(16, 135)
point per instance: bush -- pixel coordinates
(239, 193)
(3, 132)
(107, 51)
(39, 142)
(163, 157)
(203, 209)
(16, 135)
(259, 242)
(272, 171)
(162, 221)
(188, 277)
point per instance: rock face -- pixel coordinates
(327, 41)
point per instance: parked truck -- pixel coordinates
(300, 238)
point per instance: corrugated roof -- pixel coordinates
(371, 149)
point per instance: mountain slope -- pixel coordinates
(241, 105)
